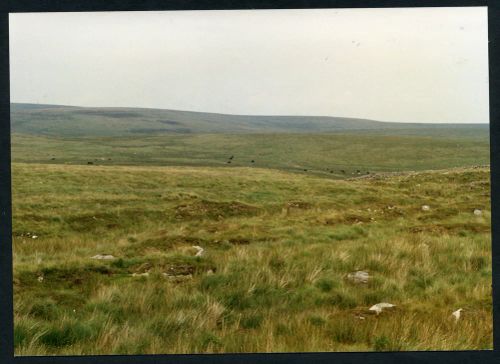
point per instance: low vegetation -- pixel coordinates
(278, 248)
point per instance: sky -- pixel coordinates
(402, 65)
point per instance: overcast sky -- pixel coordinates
(406, 65)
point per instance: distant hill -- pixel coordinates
(72, 121)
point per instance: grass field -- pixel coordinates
(319, 154)
(278, 248)
(284, 208)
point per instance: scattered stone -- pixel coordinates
(478, 212)
(456, 314)
(34, 237)
(379, 307)
(200, 251)
(103, 257)
(359, 277)
(40, 279)
(426, 208)
(145, 274)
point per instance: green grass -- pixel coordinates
(278, 248)
(324, 155)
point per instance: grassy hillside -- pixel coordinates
(68, 121)
(277, 203)
(278, 248)
(319, 154)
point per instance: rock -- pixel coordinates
(379, 307)
(359, 277)
(103, 257)
(456, 314)
(210, 272)
(200, 251)
(145, 274)
(40, 279)
(478, 212)
(34, 237)
(426, 208)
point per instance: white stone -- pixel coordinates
(200, 251)
(145, 274)
(426, 208)
(379, 307)
(103, 257)
(359, 277)
(456, 314)
(478, 212)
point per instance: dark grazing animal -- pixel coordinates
(90, 162)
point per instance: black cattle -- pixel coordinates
(53, 159)
(90, 162)
(342, 171)
(253, 161)
(231, 157)
(228, 162)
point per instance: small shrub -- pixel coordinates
(343, 331)
(21, 334)
(282, 330)
(251, 322)
(68, 334)
(342, 300)
(382, 343)
(213, 282)
(317, 321)
(46, 310)
(207, 339)
(477, 263)
(276, 263)
(325, 284)
(166, 328)
(236, 300)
